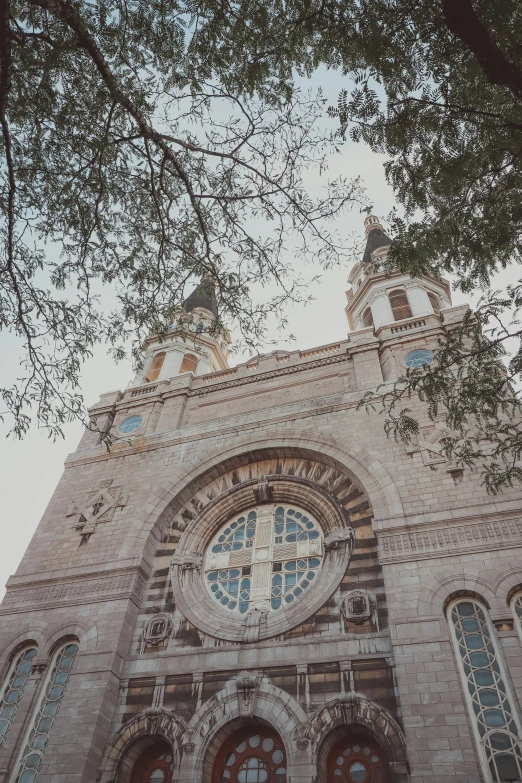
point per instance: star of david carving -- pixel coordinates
(99, 507)
(430, 443)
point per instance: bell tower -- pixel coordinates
(193, 344)
(379, 296)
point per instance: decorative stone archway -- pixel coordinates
(142, 731)
(355, 711)
(245, 701)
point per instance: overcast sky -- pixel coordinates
(30, 469)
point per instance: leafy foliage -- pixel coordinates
(437, 89)
(131, 165)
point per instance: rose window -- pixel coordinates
(264, 558)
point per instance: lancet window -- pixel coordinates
(399, 304)
(155, 367)
(38, 737)
(491, 705)
(13, 689)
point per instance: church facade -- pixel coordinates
(253, 584)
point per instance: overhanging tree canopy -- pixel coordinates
(438, 89)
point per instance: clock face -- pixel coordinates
(131, 424)
(264, 558)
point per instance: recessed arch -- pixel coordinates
(356, 713)
(224, 713)
(141, 732)
(364, 469)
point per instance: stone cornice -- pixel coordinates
(263, 376)
(68, 592)
(421, 542)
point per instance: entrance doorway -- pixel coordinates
(255, 755)
(356, 760)
(154, 765)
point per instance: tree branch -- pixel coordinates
(463, 22)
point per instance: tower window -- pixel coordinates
(189, 363)
(367, 318)
(434, 299)
(155, 367)
(14, 689)
(399, 305)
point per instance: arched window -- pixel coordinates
(434, 300)
(516, 608)
(252, 756)
(155, 367)
(399, 304)
(189, 363)
(13, 688)
(155, 765)
(35, 743)
(356, 759)
(367, 318)
(491, 705)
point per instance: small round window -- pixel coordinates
(131, 424)
(418, 358)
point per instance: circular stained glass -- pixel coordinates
(277, 547)
(131, 424)
(418, 358)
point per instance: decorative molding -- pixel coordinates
(422, 542)
(247, 684)
(76, 592)
(187, 561)
(189, 748)
(264, 376)
(158, 628)
(99, 506)
(358, 606)
(302, 743)
(263, 493)
(253, 625)
(339, 536)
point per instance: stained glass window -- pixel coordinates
(419, 358)
(13, 689)
(131, 424)
(264, 559)
(33, 752)
(492, 706)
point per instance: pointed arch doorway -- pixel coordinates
(255, 755)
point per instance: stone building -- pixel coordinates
(255, 585)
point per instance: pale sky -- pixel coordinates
(30, 469)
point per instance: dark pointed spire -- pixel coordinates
(204, 295)
(375, 237)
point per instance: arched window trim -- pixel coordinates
(397, 315)
(480, 741)
(367, 317)
(24, 754)
(17, 660)
(433, 296)
(189, 358)
(515, 604)
(154, 372)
